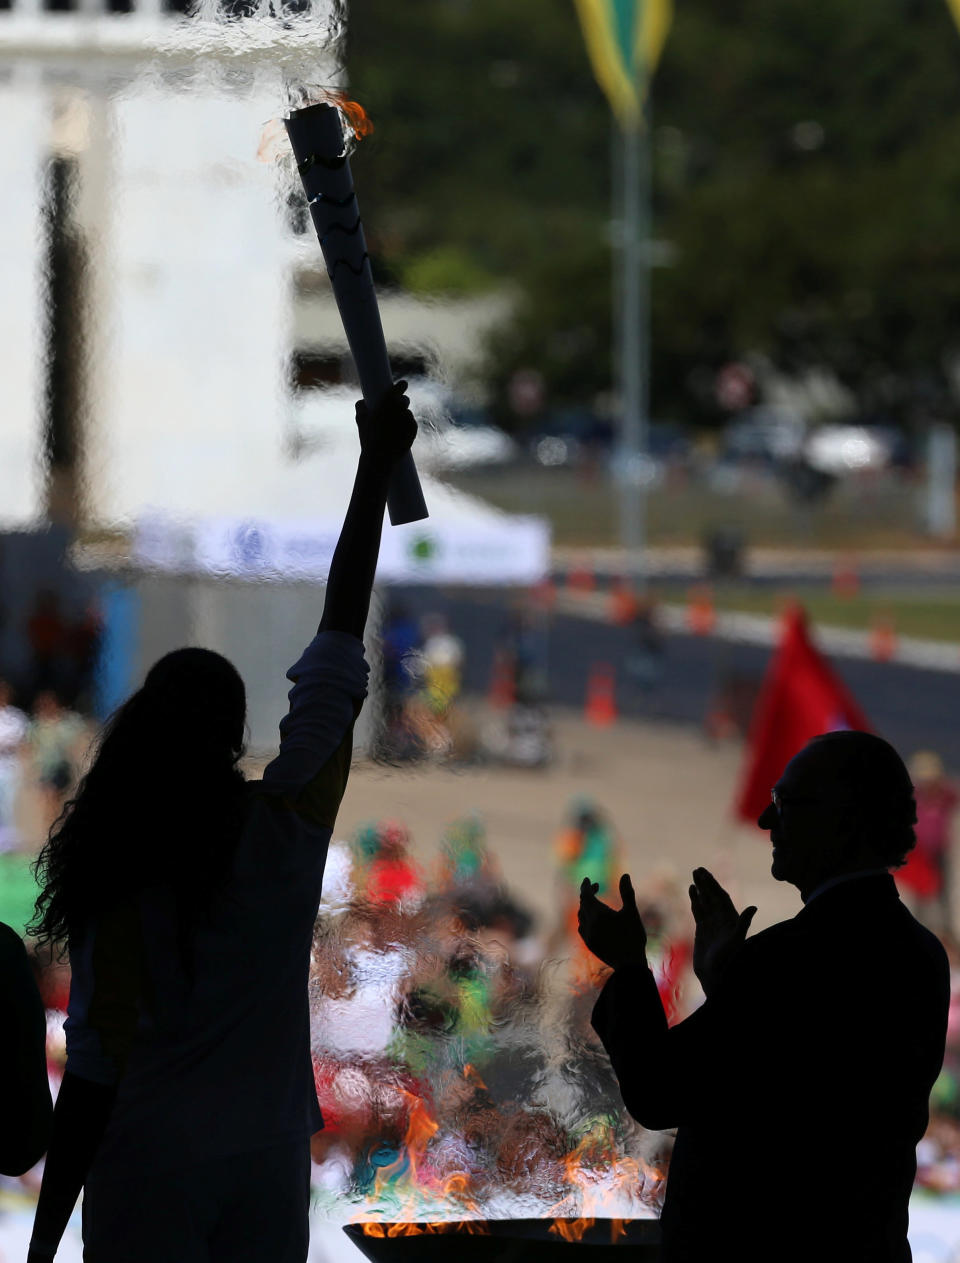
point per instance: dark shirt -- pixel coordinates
(221, 1064)
(799, 1088)
(26, 1109)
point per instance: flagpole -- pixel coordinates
(624, 39)
(634, 357)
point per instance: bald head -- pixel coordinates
(861, 767)
(845, 804)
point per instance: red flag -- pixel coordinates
(800, 698)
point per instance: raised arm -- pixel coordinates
(385, 435)
(329, 679)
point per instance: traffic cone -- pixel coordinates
(581, 579)
(846, 580)
(544, 594)
(624, 605)
(601, 708)
(719, 723)
(701, 614)
(883, 639)
(502, 693)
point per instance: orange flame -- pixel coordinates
(358, 119)
(475, 1227)
(417, 1229)
(471, 1074)
(412, 1229)
(571, 1229)
(455, 1188)
(568, 1229)
(420, 1131)
(455, 1185)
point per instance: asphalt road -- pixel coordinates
(912, 708)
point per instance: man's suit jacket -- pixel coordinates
(798, 1089)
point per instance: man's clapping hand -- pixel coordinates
(616, 936)
(721, 930)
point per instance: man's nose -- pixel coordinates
(767, 818)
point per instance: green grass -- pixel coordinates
(930, 613)
(18, 890)
(584, 510)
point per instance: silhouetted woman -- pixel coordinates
(186, 898)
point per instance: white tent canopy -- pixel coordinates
(284, 525)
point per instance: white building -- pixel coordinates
(156, 303)
(142, 146)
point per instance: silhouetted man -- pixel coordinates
(799, 1088)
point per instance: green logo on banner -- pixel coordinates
(423, 548)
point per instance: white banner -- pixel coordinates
(511, 550)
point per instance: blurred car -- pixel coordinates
(570, 436)
(460, 447)
(450, 437)
(764, 434)
(668, 442)
(847, 449)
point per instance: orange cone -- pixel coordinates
(544, 594)
(624, 605)
(581, 579)
(601, 708)
(701, 614)
(883, 639)
(502, 694)
(720, 723)
(846, 580)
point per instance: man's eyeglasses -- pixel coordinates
(779, 801)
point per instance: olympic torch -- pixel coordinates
(316, 137)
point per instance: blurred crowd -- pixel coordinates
(45, 713)
(422, 667)
(450, 1030)
(925, 883)
(443, 1013)
(424, 716)
(41, 749)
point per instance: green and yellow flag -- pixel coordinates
(624, 39)
(955, 9)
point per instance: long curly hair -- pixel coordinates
(162, 802)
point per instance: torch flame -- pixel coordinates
(358, 120)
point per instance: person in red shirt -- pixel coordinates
(926, 873)
(392, 878)
(47, 637)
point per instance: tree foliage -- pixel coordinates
(806, 172)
